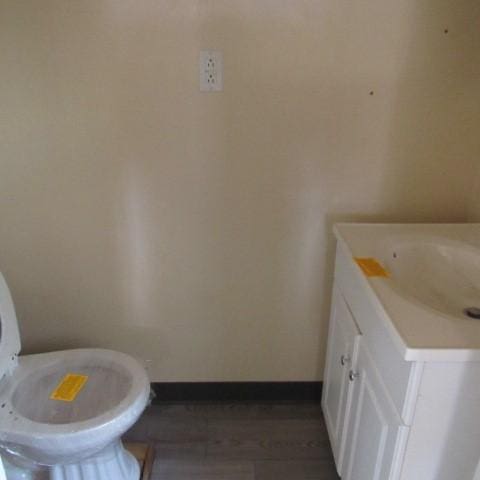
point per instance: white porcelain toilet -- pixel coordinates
(62, 414)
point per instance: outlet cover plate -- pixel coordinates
(211, 71)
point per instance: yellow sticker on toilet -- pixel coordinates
(371, 267)
(69, 387)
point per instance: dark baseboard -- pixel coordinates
(247, 392)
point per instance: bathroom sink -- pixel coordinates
(430, 298)
(441, 274)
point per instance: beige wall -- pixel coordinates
(474, 203)
(193, 230)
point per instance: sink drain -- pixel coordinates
(472, 312)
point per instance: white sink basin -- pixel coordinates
(434, 276)
(439, 273)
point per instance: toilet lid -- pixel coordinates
(102, 388)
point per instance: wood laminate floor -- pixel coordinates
(237, 442)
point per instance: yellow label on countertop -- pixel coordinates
(371, 267)
(69, 387)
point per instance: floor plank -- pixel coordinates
(204, 470)
(295, 470)
(267, 439)
(218, 411)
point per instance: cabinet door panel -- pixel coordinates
(374, 433)
(341, 352)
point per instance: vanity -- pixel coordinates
(401, 391)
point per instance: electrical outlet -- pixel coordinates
(211, 71)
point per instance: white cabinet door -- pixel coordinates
(343, 337)
(375, 436)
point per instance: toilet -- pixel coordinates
(62, 413)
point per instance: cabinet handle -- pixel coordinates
(344, 359)
(353, 375)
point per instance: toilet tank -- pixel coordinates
(9, 333)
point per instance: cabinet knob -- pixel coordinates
(344, 359)
(353, 375)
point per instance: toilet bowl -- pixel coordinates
(62, 413)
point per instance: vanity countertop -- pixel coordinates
(424, 317)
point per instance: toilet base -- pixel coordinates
(113, 462)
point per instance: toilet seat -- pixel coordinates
(46, 430)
